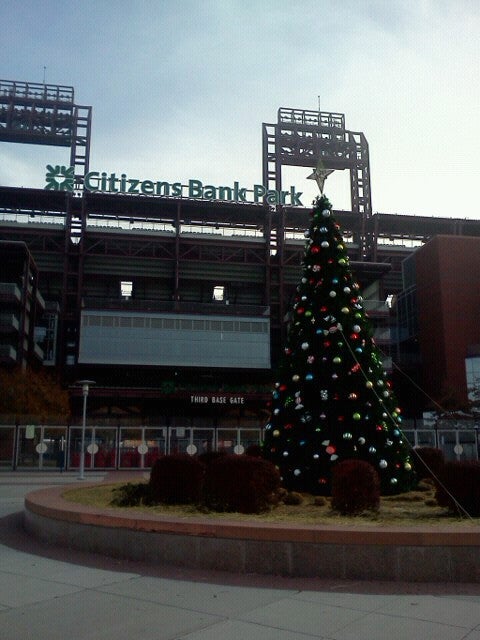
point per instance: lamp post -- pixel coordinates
(85, 384)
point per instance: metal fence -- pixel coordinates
(106, 447)
(59, 447)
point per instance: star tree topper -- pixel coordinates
(320, 175)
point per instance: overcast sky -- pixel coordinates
(180, 89)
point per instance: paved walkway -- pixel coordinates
(49, 593)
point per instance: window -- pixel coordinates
(126, 288)
(218, 293)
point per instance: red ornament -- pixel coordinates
(300, 310)
(330, 449)
(315, 249)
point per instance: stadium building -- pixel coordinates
(174, 298)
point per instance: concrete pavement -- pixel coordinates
(52, 593)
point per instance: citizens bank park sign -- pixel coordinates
(61, 178)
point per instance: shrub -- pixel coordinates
(428, 462)
(355, 487)
(254, 450)
(210, 456)
(458, 487)
(177, 479)
(241, 483)
(131, 495)
(426, 485)
(293, 498)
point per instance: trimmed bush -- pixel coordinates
(458, 487)
(210, 456)
(428, 461)
(177, 479)
(355, 487)
(241, 483)
(131, 495)
(293, 498)
(254, 450)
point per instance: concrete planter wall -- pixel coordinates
(432, 554)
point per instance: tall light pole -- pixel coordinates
(85, 384)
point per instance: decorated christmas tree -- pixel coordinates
(333, 400)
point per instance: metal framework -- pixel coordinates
(36, 113)
(46, 114)
(314, 139)
(319, 139)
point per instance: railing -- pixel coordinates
(138, 447)
(166, 306)
(36, 91)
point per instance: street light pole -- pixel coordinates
(86, 384)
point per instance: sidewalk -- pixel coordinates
(52, 593)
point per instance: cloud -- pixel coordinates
(182, 88)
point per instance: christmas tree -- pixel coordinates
(333, 400)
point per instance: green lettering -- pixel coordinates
(272, 196)
(163, 186)
(239, 195)
(88, 185)
(209, 192)
(111, 183)
(194, 189)
(133, 188)
(224, 193)
(147, 187)
(295, 197)
(177, 189)
(258, 192)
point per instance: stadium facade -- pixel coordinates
(172, 297)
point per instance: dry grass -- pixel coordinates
(411, 509)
